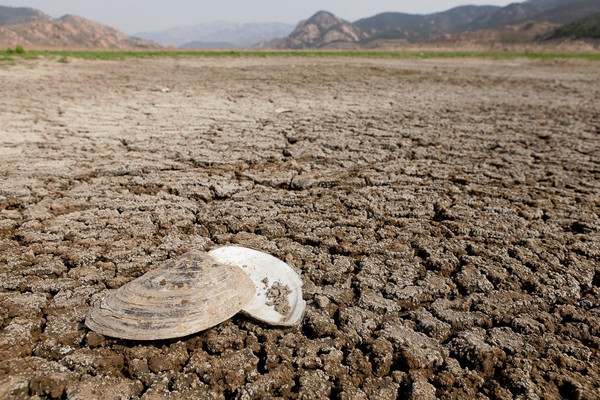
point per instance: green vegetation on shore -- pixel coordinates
(63, 55)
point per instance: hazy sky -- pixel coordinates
(132, 16)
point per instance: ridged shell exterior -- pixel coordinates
(266, 272)
(184, 296)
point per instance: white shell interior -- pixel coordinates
(265, 270)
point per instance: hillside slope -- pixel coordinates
(417, 27)
(569, 12)
(69, 31)
(498, 38)
(514, 13)
(588, 27)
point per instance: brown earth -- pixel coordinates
(443, 214)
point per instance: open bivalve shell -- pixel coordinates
(183, 296)
(278, 295)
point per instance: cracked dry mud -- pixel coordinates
(443, 214)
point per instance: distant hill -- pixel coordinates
(521, 34)
(321, 30)
(197, 44)
(588, 27)
(417, 27)
(19, 15)
(569, 12)
(69, 31)
(514, 13)
(238, 35)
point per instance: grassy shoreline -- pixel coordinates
(63, 55)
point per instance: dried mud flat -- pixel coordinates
(444, 216)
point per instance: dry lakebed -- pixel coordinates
(443, 214)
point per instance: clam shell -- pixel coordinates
(278, 297)
(183, 296)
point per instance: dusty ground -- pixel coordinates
(444, 216)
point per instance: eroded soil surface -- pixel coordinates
(443, 214)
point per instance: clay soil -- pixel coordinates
(443, 214)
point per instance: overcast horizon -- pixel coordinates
(136, 16)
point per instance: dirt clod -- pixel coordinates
(277, 296)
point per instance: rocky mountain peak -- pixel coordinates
(324, 20)
(323, 29)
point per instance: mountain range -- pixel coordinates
(218, 34)
(325, 30)
(528, 21)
